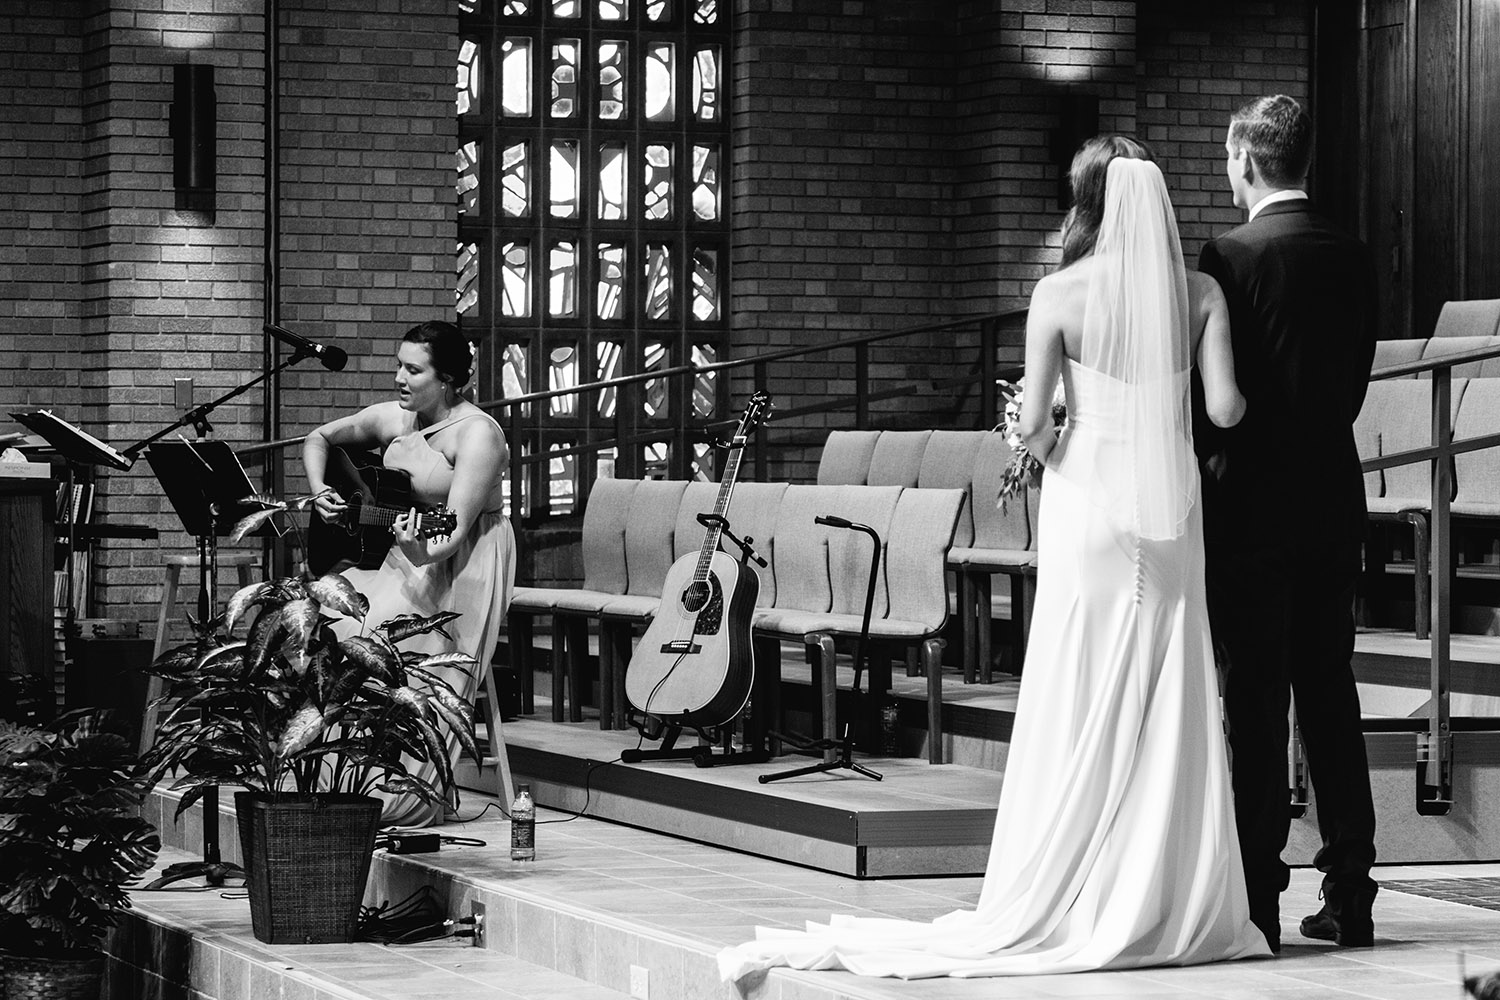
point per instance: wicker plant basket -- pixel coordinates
(76, 977)
(306, 861)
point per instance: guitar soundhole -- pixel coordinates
(696, 596)
(705, 600)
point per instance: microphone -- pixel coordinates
(833, 522)
(332, 358)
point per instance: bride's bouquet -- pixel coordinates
(1024, 469)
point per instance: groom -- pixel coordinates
(1284, 516)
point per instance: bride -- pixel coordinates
(1115, 841)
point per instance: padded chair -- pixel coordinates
(1367, 439)
(1469, 318)
(603, 551)
(846, 458)
(1389, 353)
(1003, 545)
(1477, 472)
(948, 464)
(897, 459)
(649, 528)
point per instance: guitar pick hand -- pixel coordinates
(330, 506)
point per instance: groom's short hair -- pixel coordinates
(1278, 135)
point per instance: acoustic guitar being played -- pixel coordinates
(695, 666)
(374, 497)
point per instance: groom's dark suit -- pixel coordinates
(1284, 514)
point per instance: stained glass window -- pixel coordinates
(706, 84)
(594, 227)
(609, 301)
(658, 281)
(610, 365)
(706, 182)
(612, 181)
(515, 180)
(661, 81)
(468, 177)
(515, 77)
(468, 277)
(562, 283)
(515, 277)
(468, 76)
(705, 285)
(614, 63)
(656, 186)
(564, 196)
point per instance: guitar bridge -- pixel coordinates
(681, 646)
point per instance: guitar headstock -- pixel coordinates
(437, 521)
(757, 412)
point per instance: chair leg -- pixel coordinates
(559, 666)
(968, 619)
(620, 648)
(577, 660)
(827, 654)
(983, 588)
(519, 628)
(768, 687)
(932, 658)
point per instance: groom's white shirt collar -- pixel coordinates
(1285, 194)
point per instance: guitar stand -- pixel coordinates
(712, 753)
(845, 745)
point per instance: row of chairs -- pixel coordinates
(993, 541)
(812, 591)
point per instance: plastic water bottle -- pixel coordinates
(523, 826)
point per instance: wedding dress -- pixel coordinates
(1115, 843)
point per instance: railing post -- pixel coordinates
(989, 335)
(1435, 746)
(861, 386)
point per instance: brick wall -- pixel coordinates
(40, 133)
(1198, 63)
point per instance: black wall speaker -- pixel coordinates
(194, 144)
(1077, 122)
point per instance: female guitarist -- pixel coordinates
(455, 455)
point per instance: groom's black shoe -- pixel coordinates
(1345, 918)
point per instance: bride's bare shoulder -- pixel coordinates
(1063, 290)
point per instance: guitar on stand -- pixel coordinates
(695, 666)
(375, 496)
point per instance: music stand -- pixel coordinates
(206, 485)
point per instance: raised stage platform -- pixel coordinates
(919, 819)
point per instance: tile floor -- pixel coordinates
(709, 897)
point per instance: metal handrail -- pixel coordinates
(1434, 775)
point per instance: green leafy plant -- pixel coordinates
(71, 837)
(292, 709)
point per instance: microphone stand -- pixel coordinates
(845, 745)
(212, 869)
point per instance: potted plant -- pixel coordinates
(308, 725)
(71, 840)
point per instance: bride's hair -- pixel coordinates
(1086, 176)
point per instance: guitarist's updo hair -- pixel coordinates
(452, 355)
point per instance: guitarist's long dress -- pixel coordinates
(475, 581)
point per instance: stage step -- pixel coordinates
(602, 907)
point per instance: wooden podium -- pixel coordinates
(27, 496)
